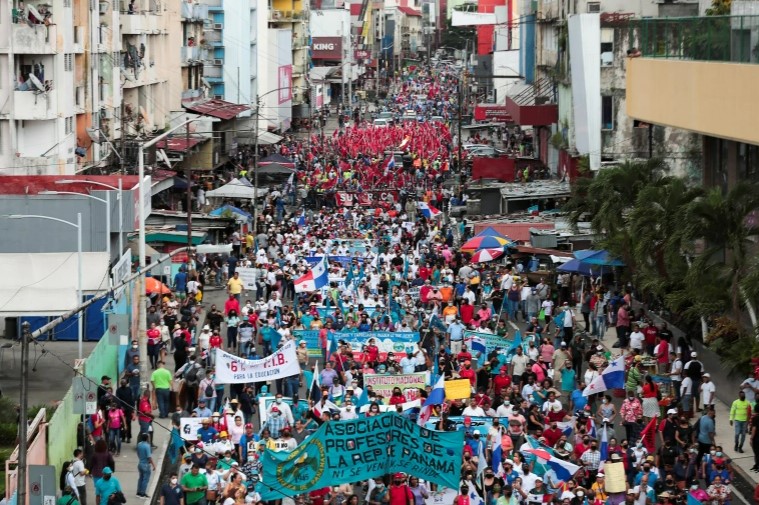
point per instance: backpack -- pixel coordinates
(191, 376)
(209, 390)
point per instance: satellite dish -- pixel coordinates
(34, 12)
(36, 82)
(205, 82)
(96, 135)
(161, 154)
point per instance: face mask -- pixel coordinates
(279, 400)
(275, 414)
(251, 459)
(174, 481)
(107, 477)
(605, 400)
(719, 454)
(134, 347)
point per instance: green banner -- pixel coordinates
(350, 451)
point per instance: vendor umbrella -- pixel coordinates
(485, 242)
(602, 257)
(154, 286)
(485, 255)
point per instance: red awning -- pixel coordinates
(33, 184)
(217, 108)
(409, 11)
(179, 144)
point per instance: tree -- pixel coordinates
(719, 8)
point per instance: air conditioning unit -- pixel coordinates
(218, 61)
(218, 26)
(107, 113)
(104, 7)
(594, 7)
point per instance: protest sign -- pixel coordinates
(457, 389)
(248, 277)
(264, 402)
(231, 369)
(189, 426)
(445, 496)
(615, 477)
(386, 341)
(383, 385)
(492, 342)
(414, 404)
(345, 261)
(360, 449)
(476, 423)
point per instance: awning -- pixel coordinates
(217, 108)
(179, 144)
(321, 73)
(268, 138)
(46, 283)
(175, 237)
(410, 12)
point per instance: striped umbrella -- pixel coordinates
(485, 255)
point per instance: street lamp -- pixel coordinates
(118, 197)
(78, 226)
(106, 201)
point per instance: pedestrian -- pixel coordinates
(79, 472)
(740, 412)
(754, 438)
(106, 487)
(171, 491)
(161, 381)
(145, 465)
(194, 486)
(708, 391)
(99, 461)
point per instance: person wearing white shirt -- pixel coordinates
(469, 295)
(284, 409)
(550, 405)
(506, 281)
(686, 393)
(274, 303)
(676, 372)
(408, 363)
(475, 411)
(637, 338)
(527, 391)
(505, 409)
(348, 412)
(708, 391)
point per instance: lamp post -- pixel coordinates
(118, 197)
(78, 226)
(106, 201)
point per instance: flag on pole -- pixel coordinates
(315, 390)
(315, 278)
(648, 436)
(604, 447)
(428, 210)
(405, 142)
(437, 394)
(302, 219)
(436, 322)
(613, 377)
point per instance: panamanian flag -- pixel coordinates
(314, 279)
(613, 377)
(428, 210)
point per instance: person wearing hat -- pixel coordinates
(106, 486)
(708, 391)
(399, 492)
(694, 369)
(599, 487)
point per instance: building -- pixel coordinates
(293, 15)
(333, 54)
(574, 56)
(705, 70)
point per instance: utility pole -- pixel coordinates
(255, 168)
(23, 423)
(188, 176)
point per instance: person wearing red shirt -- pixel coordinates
(397, 397)
(231, 304)
(552, 435)
(650, 333)
(425, 272)
(317, 496)
(501, 381)
(371, 352)
(424, 292)
(467, 311)
(400, 493)
(215, 342)
(581, 447)
(464, 355)
(154, 344)
(468, 373)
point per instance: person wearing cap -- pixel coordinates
(399, 492)
(106, 486)
(275, 421)
(707, 391)
(599, 487)
(694, 369)
(283, 408)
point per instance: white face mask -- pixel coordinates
(279, 400)
(174, 481)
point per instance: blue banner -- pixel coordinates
(345, 261)
(386, 341)
(360, 449)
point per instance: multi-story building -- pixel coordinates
(698, 74)
(58, 60)
(293, 15)
(194, 16)
(579, 66)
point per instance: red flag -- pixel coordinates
(648, 436)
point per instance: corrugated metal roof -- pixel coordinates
(519, 232)
(217, 108)
(409, 11)
(179, 144)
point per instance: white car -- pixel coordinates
(381, 122)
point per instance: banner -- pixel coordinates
(264, 402)
(410, 384)
(458, 389)
(345, 261)
(189, 426)
(445, 496)
(360, 449)
(492, 342)
(231, 369)
(365, 199)
(479, 424)
(386, 341)
(416, 404)
(248, 278)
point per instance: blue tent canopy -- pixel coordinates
(575, 266)
(602, 257)
(231, 208)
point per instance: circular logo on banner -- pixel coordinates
(35, 488)
(303, 469)
(113, 328)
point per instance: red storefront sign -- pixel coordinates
(367, 199)
(494, 113)
(327, 48)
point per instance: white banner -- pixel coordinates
(248, 278)
(231, 369)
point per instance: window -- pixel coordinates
(68, 62)
(67, 3)
(69, 121)
(594, 7)
(607, 47)
(607, 113)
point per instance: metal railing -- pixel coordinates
(707, 38)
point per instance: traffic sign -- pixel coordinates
(42, 485)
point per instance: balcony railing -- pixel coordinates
(190, 54)
(275, 15)
(34, 39)
(707, 38)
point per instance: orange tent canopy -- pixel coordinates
(153, 286)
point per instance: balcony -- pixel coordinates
(191, 95)
(33, 105)
(533, 107)
(138, 24)
(35, 39)
(285, 16)
(697, 74)
(194, 13)
(190, 55)
(145, 75)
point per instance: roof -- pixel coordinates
(33, 184)
(409, 11)
(355, 9)
(45, 283)
(180, 143)
(519, 232)
(321, 73)
(217, 108)
(174, 237)
(539, 250)
(268, 138)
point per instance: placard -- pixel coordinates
(248, 278)
(410, 384)
(458, 389)
(615, 477)
(189, 426)
(231, 369)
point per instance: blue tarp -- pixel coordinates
(575, 266)
(231, 208)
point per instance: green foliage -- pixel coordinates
(734, 344)
(719, 8)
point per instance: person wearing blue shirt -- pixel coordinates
(578, 400)
(206, 433)
(106, 486)
(145, 465)
(300, 410)
(248, 442)
(456, 334)
(568, 377)
(646, 472)
(705, 435)
(180, 282)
